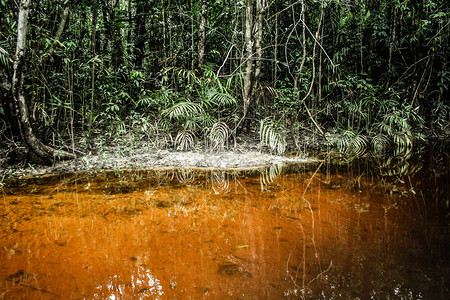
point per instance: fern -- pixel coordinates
(271, 135)
(219, 134)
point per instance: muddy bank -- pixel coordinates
(166, 158)
(131, 152)
(144, 159)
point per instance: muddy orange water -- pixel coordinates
(369, 230)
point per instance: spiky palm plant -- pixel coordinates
(380, 143)
(220, 182)
(185, 176)
(218, 135)
(269, 175)
(185, 140)
(397, 124)
(219, 98)
(351, 142)
(271, 134)
(184, 110)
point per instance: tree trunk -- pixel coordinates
(258, 48)
(247, 90)
(140, 33)
(202, 36)
(253, 51)
(48, 154)
(63, 21)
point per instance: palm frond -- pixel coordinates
(269, 175)
(185, 140)
(3, 58)
(403, 141)
(441, 116)
(157, 99)
(219, 134)
(359, 145)
(163, 124)
(220, 182)
(380, 142)
(183, 110)
(162, 138)
(219, 98)
(185, 74)
(4, 61)
(351, 142)
(344, 140)
(271, 135)
(185, 176)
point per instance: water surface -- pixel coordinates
(372, 229)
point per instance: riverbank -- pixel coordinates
(248, 155)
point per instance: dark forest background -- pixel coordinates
(359, 74)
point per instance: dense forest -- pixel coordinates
(358, 74)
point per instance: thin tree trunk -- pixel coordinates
(192, 36)
(391, 47)
(48, 154)
(361, 49)
(303, 40)
(63, 21)
(258, 47)
(313, 78)
(139, 33)
(94, 27)
(202, 36)
(275, 54)
(164, 34)
(247, 90)
(94, 53)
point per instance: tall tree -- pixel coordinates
(253, 52)
(47, 153)
(248, 42)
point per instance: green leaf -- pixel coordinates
(183, 110)
(270, 135)
(220, 132)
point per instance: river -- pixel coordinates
(367, 229)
